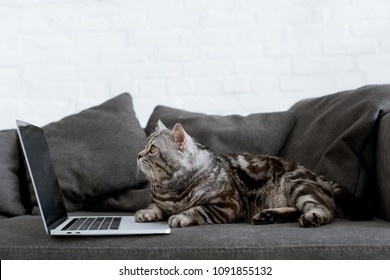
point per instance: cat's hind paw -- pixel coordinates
(263, 217)
(276, 215)
(310, 219)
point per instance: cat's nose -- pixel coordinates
(139, 156)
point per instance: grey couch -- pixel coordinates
(344, 136)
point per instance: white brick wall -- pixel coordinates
(58, 57)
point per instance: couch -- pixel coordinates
(344, 136)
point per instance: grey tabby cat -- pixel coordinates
(190, 185)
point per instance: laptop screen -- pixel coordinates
(42, 173)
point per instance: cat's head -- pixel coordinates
(167, 154)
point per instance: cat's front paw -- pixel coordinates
(180, 220)
(148, 215)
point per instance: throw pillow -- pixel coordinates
(335, 136)
(262, 133)
(94, 154)
(10, 193)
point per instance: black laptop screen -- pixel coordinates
(43, 175)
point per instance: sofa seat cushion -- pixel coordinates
(24, 238)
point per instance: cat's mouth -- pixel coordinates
(144, 166)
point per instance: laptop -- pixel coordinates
(51, 202)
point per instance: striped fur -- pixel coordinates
(190, 185)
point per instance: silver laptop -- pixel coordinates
(51, 202)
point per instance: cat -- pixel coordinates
(191, 185)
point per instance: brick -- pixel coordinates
(234, 52)
(96, 88)
(323, 3)
(42, 74)
(152, 87)
(32, 23)
(99, 40)
(262, 34)
(315, 85)
(9, 18)
(318, 32)
(376, 64)
(261, 84)
(349, 47)
(126, 85)
(208, 86)
(176, 53)
(226, 18)
(155, 38)
(324, 65)
(48, 91)
(172, 20)
(120, 55)
(208, 36)
(361, 10)
(9, 42)
(179, 86)
(128, 22)
(207, 68)
(370, 28)
(290, 15)
(84, 56)
(263, 66)
(153, 70)
(10, 58)
(201, 5)
(8, 114)
(90, 23)
(292, 48)
(236, 85)
(100, 72)
(46, 41)
(10, 74)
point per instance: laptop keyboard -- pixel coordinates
(96, 223)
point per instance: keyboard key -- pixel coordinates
(115, 223)
(77, 224)
(86, 224)
(96, 224)
(106, 223)
(69, 224)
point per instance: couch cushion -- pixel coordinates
(335, 136)
(10, 193)
(24, 238)
(263, 133)
(383, 167)
(94, 154)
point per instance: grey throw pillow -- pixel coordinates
(335, 135)
(262, 133)
(94, 154)
(10, 193)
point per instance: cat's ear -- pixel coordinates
(181, 136)
(160, 126)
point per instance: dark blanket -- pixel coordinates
(336, 136)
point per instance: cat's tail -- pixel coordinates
(350, 206)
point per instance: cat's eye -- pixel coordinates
(153, 149)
